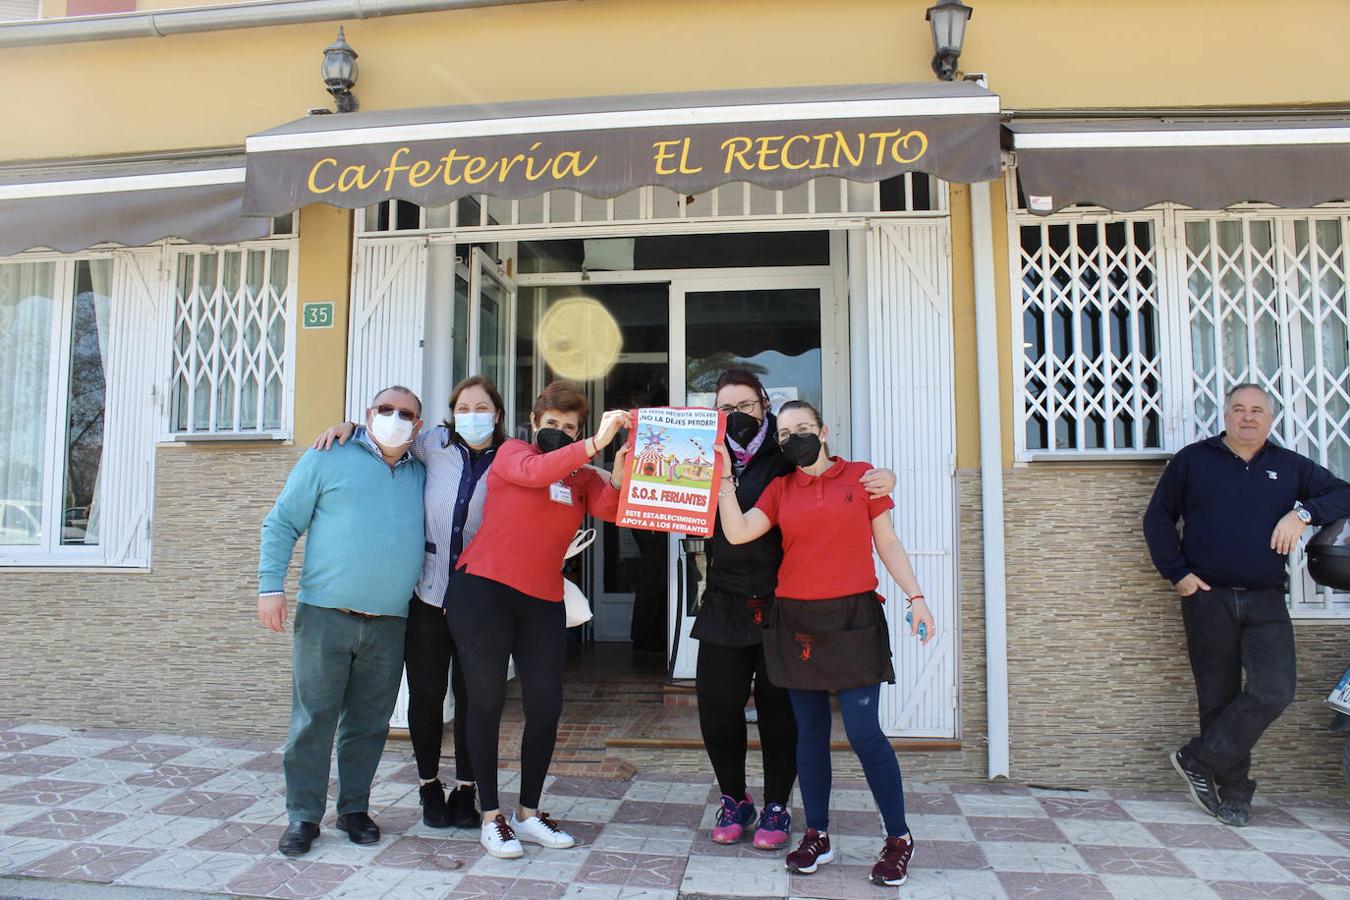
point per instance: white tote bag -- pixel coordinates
(577, 607)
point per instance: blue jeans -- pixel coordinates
(346, 675)
(863, 727)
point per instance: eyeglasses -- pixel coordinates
(745, 406)
(386, 409)
(804, 428)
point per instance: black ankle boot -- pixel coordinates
(463, 808)
(435, 814)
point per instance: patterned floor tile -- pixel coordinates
(1014, 829)
(940, 885)
(538, 864)
(482, 887)
(17, 852)
(1210, 837)
(1256, 890)
(14, 741)
(13, 814)
(88, 862)
(1176, 813)
(1142, 887)
(431, 855)
(1054, 884)
(654, 839)
(193, 870)
(578, 809)
(590, 787)
(940, 828)
(734, 877)
(1040, 858)
(214, 757)
(100, 771)
(616, 892)
(155, 832)
(33, 764)
(1276, 839)
(949, 855)
(1317, 817)
(643, 812)
(122, 798)
(66, 824)
(173, 776)
(246, 838)
(1001, 805)
(861, 822)
(839, 882)
(270, 762)
(1148, 861)
(205, 804)
(634, 869)
(290, 879)
(1099, 832)
(46, 792)
(929, 802)
(144, 752)
(1314, 868)
(395, 884)
(245, 781)
(1083, 808)
(1221, 865)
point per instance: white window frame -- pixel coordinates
(51, 553)
(172, 255)
(1175, 350)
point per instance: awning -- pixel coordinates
(71, 207)
(602, 147)
(1209, 163)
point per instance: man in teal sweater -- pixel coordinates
(361, 505)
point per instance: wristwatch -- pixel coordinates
(1302, 512)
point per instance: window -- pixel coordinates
(1134, 327)
(55, 323)
(1091, 375)
(232, 339)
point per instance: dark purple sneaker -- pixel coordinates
(733, 819)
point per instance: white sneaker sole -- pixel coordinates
(1190, 788)
(515, 852)
(821, 860)
(527, 839)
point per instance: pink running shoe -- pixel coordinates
(733, 819)
(775, 824)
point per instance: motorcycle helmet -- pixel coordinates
(1329, 555)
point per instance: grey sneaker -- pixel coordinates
(1236, 813)
(1200, 786)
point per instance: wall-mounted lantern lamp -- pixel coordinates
(339, 72)
(948, 19)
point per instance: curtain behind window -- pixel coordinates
(26, 307)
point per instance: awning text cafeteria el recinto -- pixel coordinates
(602, 147)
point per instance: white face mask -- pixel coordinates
(475, 427)
(390, 431)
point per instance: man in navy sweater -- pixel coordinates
(1245, 503)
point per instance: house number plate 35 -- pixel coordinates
(317, 315)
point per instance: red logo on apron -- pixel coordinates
(805, 641)
(757, 610)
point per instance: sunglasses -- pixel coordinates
(386, 409)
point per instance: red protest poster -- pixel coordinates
(673, 470)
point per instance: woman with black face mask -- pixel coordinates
(738, 594)
(827, 632)
(506, 600)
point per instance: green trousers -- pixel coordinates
(346, 677)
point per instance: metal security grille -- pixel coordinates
(1091, 368)
(1266, 303)
(912, 193)
(233, 315)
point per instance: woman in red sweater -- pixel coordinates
(507, 600)
(827, 632)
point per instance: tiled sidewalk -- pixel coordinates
(173, 812)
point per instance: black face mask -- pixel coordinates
(801, 449)
(742, 427)
(550, 439)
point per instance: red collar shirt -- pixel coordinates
(535, 503)
(826, 522)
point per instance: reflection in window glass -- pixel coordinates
(459, 331)
(87, 398)
(26, 303)
(773, 333)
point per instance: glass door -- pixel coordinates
(783, 330)
(492, 306)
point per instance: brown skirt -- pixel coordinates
(828, 645)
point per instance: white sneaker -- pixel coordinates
(540, 829)
(499, 840)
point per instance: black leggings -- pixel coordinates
(493, 623)
(429, 654)
(723, 686)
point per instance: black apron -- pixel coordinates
(828, 645)
(728, 620)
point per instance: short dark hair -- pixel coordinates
(802, 404)
(398, 389)
(564, 396)
(743, 377)
(482, 381)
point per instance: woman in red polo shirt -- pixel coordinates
(827, 632)
(507, 600)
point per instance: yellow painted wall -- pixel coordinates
(212, 89)
(320, 353)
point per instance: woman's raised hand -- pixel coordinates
(721, 451)
(341, 433)
(610, 424)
